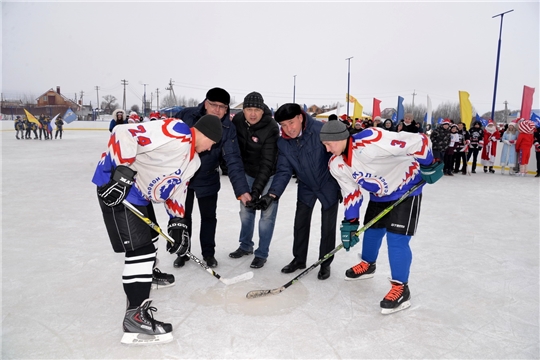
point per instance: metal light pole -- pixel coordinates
(294, 90)
(497, 65)
(348, 82)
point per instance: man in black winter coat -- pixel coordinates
(205, 184)
(257, 134)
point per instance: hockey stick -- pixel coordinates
(259, 293)
(234, 280)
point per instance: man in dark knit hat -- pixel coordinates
(257, 135)
(301, 152)
(387, 165)
(206, 182)
(148, 163)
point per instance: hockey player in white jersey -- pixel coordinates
(385, 164)
(149, 162)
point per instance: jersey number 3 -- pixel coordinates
(399, 143)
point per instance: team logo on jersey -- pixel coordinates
(162, 187)
(374, 184)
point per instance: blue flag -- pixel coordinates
(69, 116)
(535, 119)
(425, 118)
(305, 108)
(440, 120)
(400, 109)
(394, 118)
(272, 109)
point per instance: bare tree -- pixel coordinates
(109, 105)
(135, 108)
(192, 102)
(167, 101)
(28, 99)
(419, 111)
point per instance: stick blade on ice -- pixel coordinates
(260, 293)
(237, 279)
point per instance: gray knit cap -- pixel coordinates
(334, 131)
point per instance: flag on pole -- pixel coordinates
(526, 102)
(429, 117)
(482, 121)
(358, 110)
(31, 118)
(465, 108)
(49, 125)
(440, 120)
(535, 119)
(349, 98)
(400, 109)
(305, 108)
(69, 116)
(394, 118)
(376, 108)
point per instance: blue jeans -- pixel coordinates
(267, 222)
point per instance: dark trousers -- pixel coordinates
(302, 226)
(458, 158)
(207, 209)
(448, 162)
(537, 163)
(473, 151)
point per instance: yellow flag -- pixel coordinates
(349, 98)
(465, 108)
(358, 110)
(31, 118)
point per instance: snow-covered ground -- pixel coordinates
(474, 278)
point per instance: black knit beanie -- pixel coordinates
(254, 100)
(219, 95)
(210, 126)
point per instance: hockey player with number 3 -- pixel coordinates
(149, 162)
(385, 164)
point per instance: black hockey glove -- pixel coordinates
(264, 202)
(180, 232)
(254, 199)
(118, 187)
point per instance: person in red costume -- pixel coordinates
(491, 136)
(524, 143)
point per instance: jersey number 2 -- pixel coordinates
(141, 140)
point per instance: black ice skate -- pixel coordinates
(361, 271)
(397, 299)
(161, 280)
(140, 328)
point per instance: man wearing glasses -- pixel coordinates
(206, 184)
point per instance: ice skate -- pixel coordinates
(140, 327)
(397, 299)
(361, 271)
(161, 279)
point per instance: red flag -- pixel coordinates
(376, 108)
(526, 102)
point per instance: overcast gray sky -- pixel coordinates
(430, 48)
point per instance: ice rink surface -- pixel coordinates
(474, 278)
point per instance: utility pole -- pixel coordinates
(144, 101)
(124, 82)
(505, 112)
(171, 91)
(413, 95)
(97, 97)
(348, 83)
(497, 65)
(294, 90)
(82, 93)
(157, 99)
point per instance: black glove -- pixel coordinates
(264, 202)
(118, 187)
(179, 230)
(254, 199)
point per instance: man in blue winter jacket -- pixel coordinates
(301, 153)
(206, 184)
